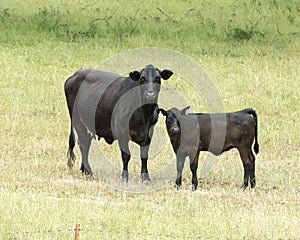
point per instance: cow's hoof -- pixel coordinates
(86, 171)
(71, 159)
(146, 182)
(125, 177)
(194, 188)
(145, 178)
(177, 187)
(71, 163)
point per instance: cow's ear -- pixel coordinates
(185, 111)
(163, 112)
(166, 74)
(135, 75)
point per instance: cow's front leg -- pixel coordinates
(125, 153)
(144, 158)
(125, 159)
(180, 164)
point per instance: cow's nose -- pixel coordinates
(151, 95)
(174, 129)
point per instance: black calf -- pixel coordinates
(216, 133)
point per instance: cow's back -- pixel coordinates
(72, 86)
(91, 86)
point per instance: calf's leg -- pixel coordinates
(194, 167)
(248, 160)
(252, 170)
(180, 164)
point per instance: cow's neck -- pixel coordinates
(148, 109)
(146, 113)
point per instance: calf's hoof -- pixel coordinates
(253, 183)
(177, 187)
(245, 185)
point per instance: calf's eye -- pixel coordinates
(157, 79)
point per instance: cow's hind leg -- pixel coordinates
(70, 155)
(144, 169)
(84, 142)
(248, 160)
(194, 167)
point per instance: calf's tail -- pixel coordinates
(254, 115)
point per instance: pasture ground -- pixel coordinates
(251, 50)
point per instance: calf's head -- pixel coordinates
(149, 80)
(173, 117)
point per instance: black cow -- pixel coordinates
(216, 133)
(113, 107)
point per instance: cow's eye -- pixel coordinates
(157, 79)
(143, 79)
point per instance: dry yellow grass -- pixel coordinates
(42, 199)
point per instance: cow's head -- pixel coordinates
(149, 80)
(173, 117)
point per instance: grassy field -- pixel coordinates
(251, 51)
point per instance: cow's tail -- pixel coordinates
(70, 154)
(254, 115)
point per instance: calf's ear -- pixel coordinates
(135, 75)
(166, 74)
(185, 111)
(163, 112)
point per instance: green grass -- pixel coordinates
(251, 51)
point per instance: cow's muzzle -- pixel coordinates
(151, 95)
